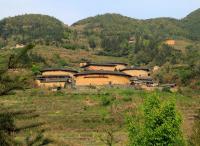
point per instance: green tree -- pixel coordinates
(92, 42)
(159, 124)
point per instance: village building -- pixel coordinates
(119, 65)
(55, 78)
(104, 66)
(58, 72)
(99, 78)
(139, 81)
(155, 68)
(170, 42)
(131, 40)
(53, 81)
(19, 46)
(137, 71)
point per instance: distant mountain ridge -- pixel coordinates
(168, 27)
(36, 27)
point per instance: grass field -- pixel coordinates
(80, 117)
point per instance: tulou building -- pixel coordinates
(104, 66)
(55, 78)
(136, 71)
(95, 74)
(101, 77)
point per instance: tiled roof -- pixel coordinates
(102, 72)
(59, 69)
(99, 64)
(136, 68)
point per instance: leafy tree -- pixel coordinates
(160, 124)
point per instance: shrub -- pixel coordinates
(166, 89)
(105, 101)
(127, 99)
(35, 69)
(157, 124)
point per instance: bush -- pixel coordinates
(127, 99)
(157, 124)
(35, 69)
(106, 100)
(166, 89)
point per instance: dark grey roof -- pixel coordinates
(116, 63)
(136, 68)
(98, 64)
(51, 76)
(59, 69)
(102, 72)
(142, 78)
(54, 80)
(105, 64)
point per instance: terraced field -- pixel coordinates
(82, 117)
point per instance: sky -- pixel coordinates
(70, 11)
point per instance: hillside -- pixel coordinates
(113, 24)
(192, 24)
(32, 27)
(110, 37)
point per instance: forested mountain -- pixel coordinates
(118, 28)
(192, 24)
(113, 24)
(32, 27)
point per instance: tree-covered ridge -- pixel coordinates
(32, 27)
(115, 24)
(192, 24)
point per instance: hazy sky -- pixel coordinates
(69, 11)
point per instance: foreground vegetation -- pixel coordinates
(85, 116)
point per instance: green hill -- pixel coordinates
(113, 24)
(192, 24)
(32, 27)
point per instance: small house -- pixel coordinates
(139, 81)
(99, 78)
(55, 77)
(53, 81)
(19, 46)
(170, 42)
(136, 71)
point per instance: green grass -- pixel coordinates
(78, 117)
